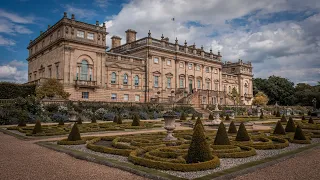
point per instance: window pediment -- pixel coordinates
(169, 74)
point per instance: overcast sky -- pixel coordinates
(280, 37)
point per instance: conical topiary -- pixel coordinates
(135, 121)
(75, 133)
(283, 118)
(198, 122)
(210, 117)
(119, 121)
(115, 119)
(311, 120)
(261, 115)
(279, 129)
(221, 116)
(93, 119)
(227, 117)
(79, 120)
(183, 116)
(221, 136)
(22, 122)
(37, 128)
(278, 114)
(193, 117)
(199, 150)
(61, 122)
(232, 128)
(299, 135)
(303, 118)
(290, 127)
(309, 113)
(242, 134)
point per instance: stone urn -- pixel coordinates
(169, 120)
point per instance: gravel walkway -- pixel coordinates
(25, 160)
(304, 166)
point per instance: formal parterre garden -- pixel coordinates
(197, 153)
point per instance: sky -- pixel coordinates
(279, 37)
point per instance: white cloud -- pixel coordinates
(16, 18)
(12, 28)
(274, 48)
(14, 71)
(6, 42)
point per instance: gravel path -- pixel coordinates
(304, 166)
(25, 160)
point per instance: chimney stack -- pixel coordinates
(116, 41)
(72, 17)
(131, 35)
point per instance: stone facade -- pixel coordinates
(141, 70)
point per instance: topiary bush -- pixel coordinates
(37, 128)
(198, 122)
(242, 134)
(310, 121)
(93, 119)
(290, 127)
(278, 114)
(261, 115)
(193, 117)
(232, 128)
(279, 129)
(299, 135)
(79, 120)
(135, 121)
(183, 116)
(115, 119)
(221, 136)
(199, 150)
(227, 117)
(22, 122)
(303, 118)
(210, 116)
(283, 118)
(119, 120)
(75, 133)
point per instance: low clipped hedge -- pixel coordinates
(245, 151)
(135, 157)
(281, 143)
(98, 148)
(66, 142)
(307, 141)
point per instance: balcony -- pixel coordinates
(85, 84)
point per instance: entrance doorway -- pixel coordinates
(190, 85)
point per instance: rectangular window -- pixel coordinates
(190, 65)
(207, 69)
(156, 81)
(85, 95)
(168, 82)
(208, 85)
(57, 72)
(181, 82)
(156, 60)
(126, 97)
(199, 84)
(137, 98)
(80, 34)
(113, 96)
(181, 64)
(169, 62)
(198, 67)
(50, 73)
(90, 36)
(216, 86)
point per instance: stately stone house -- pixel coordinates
(143, 70)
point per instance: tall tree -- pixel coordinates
(51, 88)
(260, 99)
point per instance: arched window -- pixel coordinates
(125, 79)
(113, 77)
(84, 70)
(136, 80)
(246, 88)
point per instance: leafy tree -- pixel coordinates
(242, 134)
(221, 136)
(279, 129)
(51, 88)
(199, 150)
(232, 128)
(260, 99)
(75, 133)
